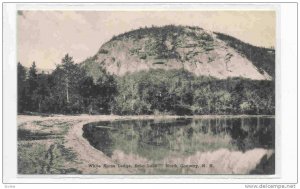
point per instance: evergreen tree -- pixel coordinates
(69, 89)
(42, 92)
(32, 86)
(22, 88)
(67, 78)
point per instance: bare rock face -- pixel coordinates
(194, 49)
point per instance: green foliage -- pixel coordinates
(179, 92)
(40, 159)
(161, 42)
(64, 91)
(41, 92)
(22, 88)
(103, 51)
(70, 90)
(32, 86)
(93, 69)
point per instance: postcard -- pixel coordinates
(146, 92)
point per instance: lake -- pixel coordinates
(227, 145)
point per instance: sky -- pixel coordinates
(46, 36)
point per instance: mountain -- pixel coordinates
(194, 49)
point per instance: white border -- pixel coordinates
(285, 96)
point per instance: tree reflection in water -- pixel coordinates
(156, 139)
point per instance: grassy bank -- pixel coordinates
(41, 148)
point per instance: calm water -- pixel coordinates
(177, 140)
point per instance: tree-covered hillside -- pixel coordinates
(70, 89)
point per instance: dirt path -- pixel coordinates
(87, 154)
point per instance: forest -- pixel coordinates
(70, 89)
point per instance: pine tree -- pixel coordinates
(68, 64)
(32, 86)
(67, 78)
(41, 92)
(22, 88)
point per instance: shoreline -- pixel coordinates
(88, 155)
(129, 117)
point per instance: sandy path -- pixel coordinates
(87, 154)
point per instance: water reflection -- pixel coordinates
(158, 140)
